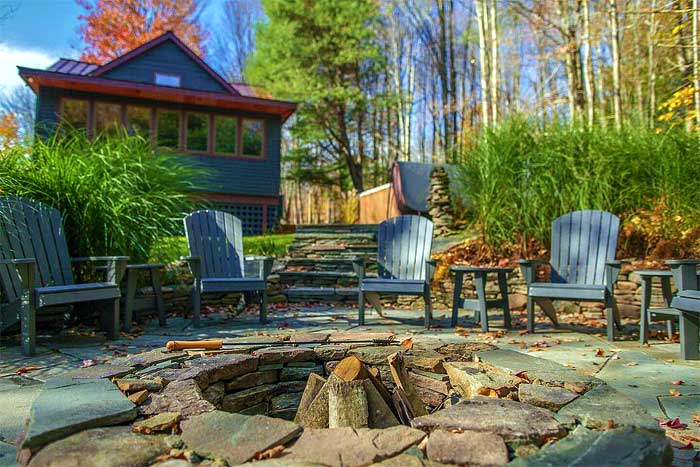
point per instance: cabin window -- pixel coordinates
(168, 129)
(138, 120)
(167, 79)
(74, 113)
(107, 117)
(225, 135)
(252, 137)
(197, 132)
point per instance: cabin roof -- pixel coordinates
(89, 77)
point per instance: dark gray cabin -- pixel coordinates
(170, 95)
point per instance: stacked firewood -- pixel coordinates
(355, 396)
(439, 204)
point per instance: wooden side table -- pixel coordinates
(132, 272)
(480, 305)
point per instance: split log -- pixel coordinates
(313, 387)
(347, 404)
(403, 409)
(380, 414)
(429, 397)
(418, 380)
(316, 416)
(351, 369)
(404, 386)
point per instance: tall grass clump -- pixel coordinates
(115, 194)
(519, 178)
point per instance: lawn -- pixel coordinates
(171, 248)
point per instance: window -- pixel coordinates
(225, 132)
(168, 131)
(167, 79)
(138, 120)
(197, 132)
(74, 113)
(107, 118)
(253, 131)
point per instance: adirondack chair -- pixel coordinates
(583, 266)
(35, 262)
(404, 264)
(686, 304)
(216, 260)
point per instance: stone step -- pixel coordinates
(318, 278)
(321, 294)
(336, 228)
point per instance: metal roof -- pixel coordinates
(72, 67)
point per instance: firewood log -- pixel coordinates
(347, 404)
(404, 386)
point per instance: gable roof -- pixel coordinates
(168, 36)
(73, 67)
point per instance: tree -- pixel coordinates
(111, 28)
(323, 55)
(9, 130)
(19, 101)
(236, 41)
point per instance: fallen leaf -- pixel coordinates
(696, 418)
(406, 344)
(87, 363)
(269, 453)
(600, 352)
(631, 364)
(27, 369)
(610, 425)
(675, 424)
(523, 332)
(678, 382)
(615, 357)
(674, 392)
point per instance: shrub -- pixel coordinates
(520, 178)
(171, 248)
(115, 195)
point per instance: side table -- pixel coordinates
(480, 305)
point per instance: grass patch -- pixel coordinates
(169, 249)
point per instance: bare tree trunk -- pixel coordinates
(615, 52)
(651, 52)
(483, 64)
(696, 75)
(493, 30)
(588, 64)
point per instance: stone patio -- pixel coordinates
(579, 362)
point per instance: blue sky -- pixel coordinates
(41, 31)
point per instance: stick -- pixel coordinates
(216, 344)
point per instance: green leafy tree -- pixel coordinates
(325, 56)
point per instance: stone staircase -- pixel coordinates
(318, 266)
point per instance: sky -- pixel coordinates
(40, 31)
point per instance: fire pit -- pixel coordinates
(351, 405)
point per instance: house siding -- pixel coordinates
(166, 58)
(225, 175)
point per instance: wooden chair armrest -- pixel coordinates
(265, 264)
(25, 268)
(685, 273)
(527, 266)
(359, 264)
(195, 265)
(145, 266)
(18, 261)
(430, 267)
(85, 259)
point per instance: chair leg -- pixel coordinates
(109, 313)
(670, 328)
(611, 325)
(644, 313)
(263, 307)
(28, 325)
(428, 306)
(196, 306)
(457, 297)
(690, 335)
(480, 286)
(361, 307)
(530, 314)
(131, 276)
(158, 292)
(503, 287)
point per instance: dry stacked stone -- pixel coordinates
(439, 204)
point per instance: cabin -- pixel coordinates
(167, 93)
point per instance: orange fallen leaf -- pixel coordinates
(269, 453)
(407, 344)
(600, 352)
(631, 364)
(27, 369)
(523, 332)
(674, 393)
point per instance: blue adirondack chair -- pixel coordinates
(583, 266)
(216, 259)
(35, 261)
(404, 264)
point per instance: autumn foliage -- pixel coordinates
(9, 129)
(111, 28)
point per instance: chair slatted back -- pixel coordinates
(404, 244)
(29, 229)
(217, 238)
(582, 242)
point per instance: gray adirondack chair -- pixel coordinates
(687, 304)
(583, 266)
(216, 260)
(35, 270)
(404, 264)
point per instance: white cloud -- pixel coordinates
(12, 56)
